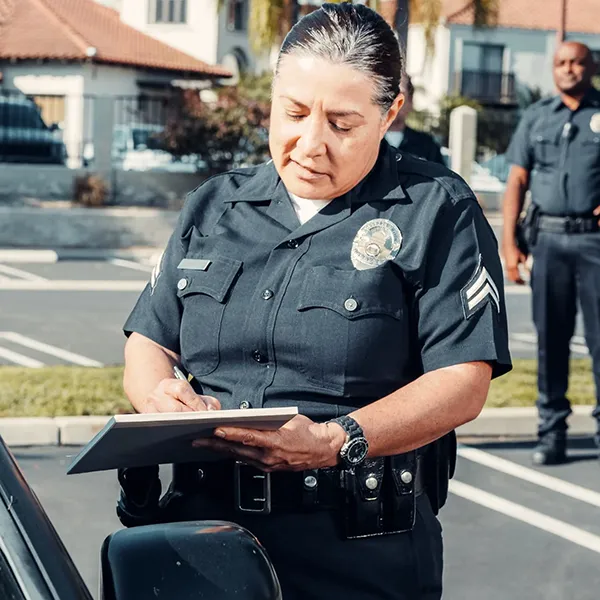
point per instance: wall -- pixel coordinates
(89, 228)
(197, 37)
(430, 74)
(528, 54)
(229, 40)
(20, 183)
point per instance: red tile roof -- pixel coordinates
(583, 16)
(71, 29)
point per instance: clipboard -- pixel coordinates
(139, 440)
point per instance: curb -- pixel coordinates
(77, 431)
(523, 421)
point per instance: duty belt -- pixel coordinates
(254, 491)
(556, 224)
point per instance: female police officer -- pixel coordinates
(344, 279)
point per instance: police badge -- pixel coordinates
(376, 242)
(595, 122)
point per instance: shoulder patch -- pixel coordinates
(479, 291)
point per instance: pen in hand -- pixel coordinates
(210, 403)
(179, 374)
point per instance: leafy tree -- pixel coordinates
(270, 20)
(223, 133)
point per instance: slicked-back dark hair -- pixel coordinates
(351, 35)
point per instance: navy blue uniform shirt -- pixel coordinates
(398, 277)
(561, 149)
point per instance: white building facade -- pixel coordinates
(496, 65)
(196, 27)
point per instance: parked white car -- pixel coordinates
(138, 148)
(482, 179)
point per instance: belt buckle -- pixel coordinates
(259, 503)
(575, 225)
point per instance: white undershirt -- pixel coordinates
(306, 208)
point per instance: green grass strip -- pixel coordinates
(66, 391)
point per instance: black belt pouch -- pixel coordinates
(362, 511)
(401, 505)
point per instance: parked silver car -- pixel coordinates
(139, 147)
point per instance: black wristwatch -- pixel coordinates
(355, 449)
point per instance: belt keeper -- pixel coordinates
(310, 488)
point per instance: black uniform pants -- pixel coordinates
(566, 269)
(313, 562)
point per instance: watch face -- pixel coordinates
(356, 451)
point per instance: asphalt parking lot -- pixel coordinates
(71, 312)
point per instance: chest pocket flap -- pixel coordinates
(353, 294)
(215, 281)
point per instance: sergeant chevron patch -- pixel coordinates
(480, 290)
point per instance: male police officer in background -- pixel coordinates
(555, 153)
(407, 139)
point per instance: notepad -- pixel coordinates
(164, 438)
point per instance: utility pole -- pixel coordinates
(562, 28)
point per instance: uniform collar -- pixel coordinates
(591, 98)
(259, 187)
(381, 183)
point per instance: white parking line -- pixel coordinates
(531, 475)
(6, 270)
(531, 338)
(72, 285)
(526, 515)
(76, 359)
(20, 359)
(130, 264)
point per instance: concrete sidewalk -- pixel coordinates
(76, 431)
(146, 254)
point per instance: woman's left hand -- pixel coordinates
(298, 445)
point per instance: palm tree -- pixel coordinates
(270, 20)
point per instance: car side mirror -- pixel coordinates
(197, 559)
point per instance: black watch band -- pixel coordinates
(354, 451)
(349, 425)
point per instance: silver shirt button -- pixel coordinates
(182, 284)
(351, 305)
(406, 477)
(371, 482)
(244, 404)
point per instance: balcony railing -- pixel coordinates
(485, 86)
